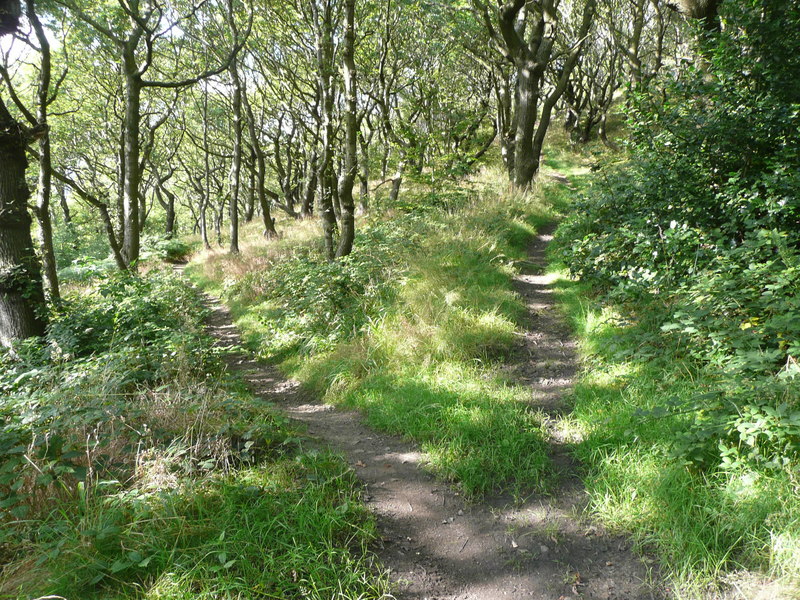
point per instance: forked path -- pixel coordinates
(436, 545)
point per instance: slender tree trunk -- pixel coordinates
(260, 171)
(207, 175)
(350, 166)
(236, 167)
(62, 197)
(385, 159)
(397, 180)
(133, 93)
(323, 27)
(311, 186)
(204, 223)
(334, 189)
(364, 176)
(250, 211)
(142, 212)
(269, 222)
(218, 219)
(42, 209)
(120, 208)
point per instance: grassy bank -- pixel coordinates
(410, 329)
(132, 465)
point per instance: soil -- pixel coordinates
(435, 544)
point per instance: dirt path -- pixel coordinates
(436, 545)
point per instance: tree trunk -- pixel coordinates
(42, 209)
(133, 93)
(397, 180)
(169, 209)
(526, 162)
(250, 210)
(311, 186)
(22, 306)
(260, 171)
(323, 30)
(236, 167)
(334, 190)
(364, 176)
(62, 197)
(350, 166)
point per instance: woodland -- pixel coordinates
(359, 183)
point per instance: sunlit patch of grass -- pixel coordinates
(449, 408)
(216, 267)
(426, 365)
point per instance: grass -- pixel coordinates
(424, 363)
(720, 533)
(435, 316)
(145, 471)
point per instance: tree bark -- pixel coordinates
(42, 209)
(236, 167)
(62, 197)
(133, 176)
(22, 305)
(363, 196)
(261, 171)
(250, 209)
(323, 30)
(350, 166)
(311, 186)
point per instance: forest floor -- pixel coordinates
(434, 542)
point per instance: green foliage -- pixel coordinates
(132, 466)
(172, 250)
(690, 412)
(697, 234)
(310, 303)
(708, 485)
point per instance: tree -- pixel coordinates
(135, 32)
(526, 35)
(22, 303)
(348, 175)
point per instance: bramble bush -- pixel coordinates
(699, 232)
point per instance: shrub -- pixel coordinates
(698, 233)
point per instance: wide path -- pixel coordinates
(436, 545)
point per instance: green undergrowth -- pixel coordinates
(133, 465)
(411, 328)
(702, 478)
(708, 526)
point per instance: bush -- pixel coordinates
(698, 233)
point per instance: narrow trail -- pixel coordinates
(436, 545)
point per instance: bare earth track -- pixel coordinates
(436, 545)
